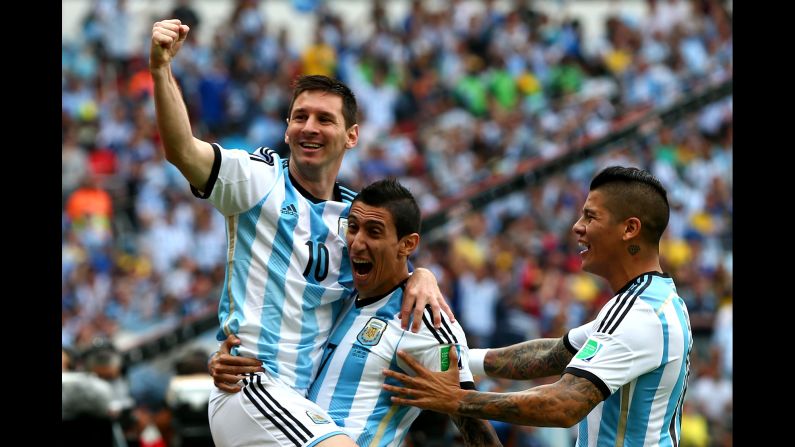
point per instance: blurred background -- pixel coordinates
(495, 114)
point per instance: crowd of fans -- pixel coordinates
(449, 99)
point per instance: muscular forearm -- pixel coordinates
(529, 360)
(476, 432)
(561, 404)
(193, 157)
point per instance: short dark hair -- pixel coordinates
(390, 194)
(635, 192)
(329, 85)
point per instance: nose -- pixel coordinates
(355, 242)
(578, 228)
(310, 126)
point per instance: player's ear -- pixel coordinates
(631, 228)
(408, 244)
(352, 135)
(286, 138)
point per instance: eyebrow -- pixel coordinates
(366, 222)
(323, 113)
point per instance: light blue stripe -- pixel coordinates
(244, 240)
(582, 433)
(676, 394)
(278, 264)
(609, 422)
(345, 390)
(311, 299)
(335, 339)
(380, 411)
(646, 387)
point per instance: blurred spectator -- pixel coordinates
(187, 398)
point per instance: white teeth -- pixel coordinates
(358, 261)
(310, 145)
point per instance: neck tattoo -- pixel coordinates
(633, 249)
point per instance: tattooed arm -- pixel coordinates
(476, 432)
(528, 360)
(561, 404)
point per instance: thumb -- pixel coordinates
(453, 355)
(183, 32)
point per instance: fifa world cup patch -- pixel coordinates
(342, 227)
(589, 351)
(317, 418)
(372, 332)
(444, 352)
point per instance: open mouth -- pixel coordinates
(584, 248)
(362, 268)
(311, 146)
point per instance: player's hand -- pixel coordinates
(423, 290)
(228, 369)
(167, 38)
(437, 391)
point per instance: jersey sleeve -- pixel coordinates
(434, 353)
(239, 180)
(576, 338)
(611, 359)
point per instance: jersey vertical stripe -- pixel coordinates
(277, 292)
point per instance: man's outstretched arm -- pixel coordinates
(193, 157)
(561, 404)
(522, 361)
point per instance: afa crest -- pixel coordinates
(317, 418)
(372, 332)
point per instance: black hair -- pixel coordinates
(390, 194)
(633, 192)
(327, 84)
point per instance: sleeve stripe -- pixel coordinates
(568, 345)
(618, 302)
(213, 175)
(434, 331)
(647, 281)
(591, 377)
(449, 330)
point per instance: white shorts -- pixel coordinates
(268, 413)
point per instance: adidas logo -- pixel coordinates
(290, 209)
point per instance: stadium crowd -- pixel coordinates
(449, 99)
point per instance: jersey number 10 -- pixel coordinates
(319, 258)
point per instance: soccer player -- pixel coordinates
(383, 231)
(624, 374)
(287, 265)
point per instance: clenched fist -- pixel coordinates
(167, 38)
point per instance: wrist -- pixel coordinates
(477, 357)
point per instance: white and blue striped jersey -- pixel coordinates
(364, 342)
(637, 352)
(287, 262)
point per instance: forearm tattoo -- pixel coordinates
(561, 404)
(476, 432)
(528, 360)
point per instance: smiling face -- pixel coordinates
(599, 234)
(378, 257)
(316, 132)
